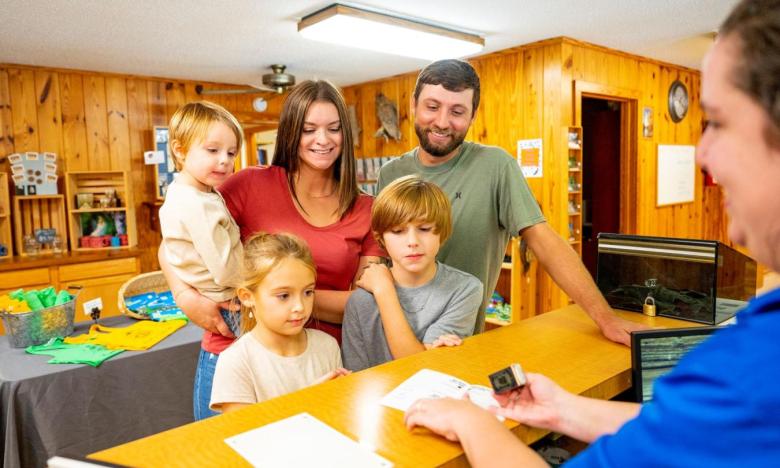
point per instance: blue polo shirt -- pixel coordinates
(720, 406)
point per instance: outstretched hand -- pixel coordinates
(540, 403)
(334, 374)
(618, 329)
(444, 340)
(443, 416)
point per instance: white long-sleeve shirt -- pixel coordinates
(201, 240)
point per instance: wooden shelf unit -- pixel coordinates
(98, 183)
(5, 216)
(573, 139)
(33, 212)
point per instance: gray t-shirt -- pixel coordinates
(446, 304)
(491, 202)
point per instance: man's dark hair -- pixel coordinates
(454, 75)
(756, 25)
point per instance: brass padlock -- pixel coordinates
(649, 307)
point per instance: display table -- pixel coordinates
(564, 344)
(76, 409)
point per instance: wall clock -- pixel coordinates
(678, 101)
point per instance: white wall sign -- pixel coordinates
(529, 157)
(676, 174)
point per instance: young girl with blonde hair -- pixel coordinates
(275, 353)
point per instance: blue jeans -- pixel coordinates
(204, 378)
(204, 373)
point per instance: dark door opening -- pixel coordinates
(601, 183)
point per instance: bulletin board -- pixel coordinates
(165, 171)
(676, 174)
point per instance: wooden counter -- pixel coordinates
(563, 344)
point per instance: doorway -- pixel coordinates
(601, 183)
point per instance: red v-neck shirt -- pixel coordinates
(259, 200)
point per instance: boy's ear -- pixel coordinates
(178, 150)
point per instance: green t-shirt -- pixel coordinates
(491, 202)
(64, 353)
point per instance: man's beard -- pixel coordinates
(438, 151)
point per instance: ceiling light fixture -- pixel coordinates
(364, 29)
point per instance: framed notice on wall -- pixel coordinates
(676, 174)
(165, 170)
(529, 157)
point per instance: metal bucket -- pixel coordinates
(39, 326)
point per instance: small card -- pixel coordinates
(91, 304)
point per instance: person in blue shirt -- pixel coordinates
(721, 405)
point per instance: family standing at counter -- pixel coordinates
(415, 268)
(311, 191)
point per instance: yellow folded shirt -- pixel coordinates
(137, 337)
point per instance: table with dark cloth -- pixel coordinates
(76, 409)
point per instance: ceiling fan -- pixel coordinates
(275, 82)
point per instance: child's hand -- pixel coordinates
(444, 340)
(334, 374)
(376, 278)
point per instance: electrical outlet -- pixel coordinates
(92, 304)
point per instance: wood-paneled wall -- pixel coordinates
(102, 121)
(528, 92)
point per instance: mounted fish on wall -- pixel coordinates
(387, 113)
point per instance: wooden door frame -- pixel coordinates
(629, 136)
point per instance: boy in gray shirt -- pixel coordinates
(418, 303)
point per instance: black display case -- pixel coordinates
(700, 281)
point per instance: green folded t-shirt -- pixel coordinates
(64, 353)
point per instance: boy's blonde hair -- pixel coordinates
(262, 254)
(411, 199)
(191, 122)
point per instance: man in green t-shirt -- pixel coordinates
(491, 200)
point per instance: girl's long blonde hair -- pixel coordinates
(262, 254)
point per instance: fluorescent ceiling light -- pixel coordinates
(353, 27)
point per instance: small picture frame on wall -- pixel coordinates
(165, 171)
(647, 122)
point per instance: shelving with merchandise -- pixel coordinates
(573, 137)
(101, 212)
(36, 216)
